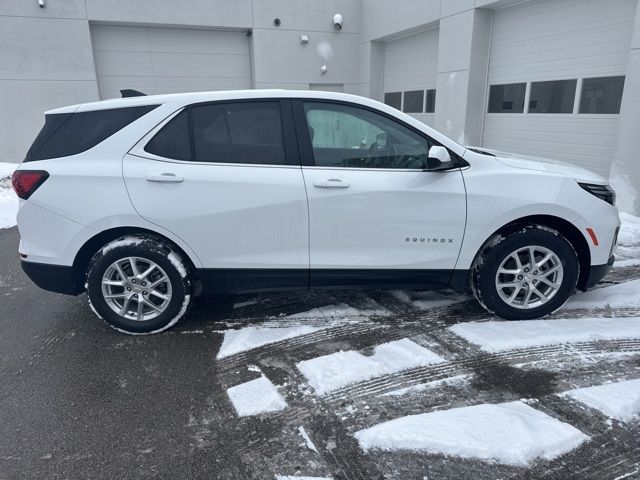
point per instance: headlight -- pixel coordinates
(603, 192)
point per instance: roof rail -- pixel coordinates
(128, 92)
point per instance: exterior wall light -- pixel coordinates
(304, 39)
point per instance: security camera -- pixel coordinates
(337, 21)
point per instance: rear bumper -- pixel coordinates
(598, 272)
(55, 278)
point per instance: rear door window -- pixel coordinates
(67, 134)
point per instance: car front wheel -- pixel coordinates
(138, 285)
(526, 274)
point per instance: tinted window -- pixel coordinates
(72, 133)
(507, 98)
(413, 101)
(393, 99)
(345, 136)
(601, 95)
(172, 141)
(556, 96)
(238, 133)
(431, 101)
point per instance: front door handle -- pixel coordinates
(165, 178)
(331, 183)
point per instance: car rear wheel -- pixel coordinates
(526, 274)
(138, 285)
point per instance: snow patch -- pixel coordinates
(248, 338)
(9, 201)
(421, 387)
(177, 262)
(619, 400)
(510, 433)
(427, 300)
(622, 295)
(337, 370)
(307, 439)
(496, 336)
(629, 235)
(122, 242)
(341, 311)
(256, 396)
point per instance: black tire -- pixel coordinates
(497, 249)
(144, 248)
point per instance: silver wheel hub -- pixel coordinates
(136, 288)
(529, 277)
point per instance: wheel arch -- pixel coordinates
(95, 243)
(562, 226)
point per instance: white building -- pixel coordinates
(556, 78)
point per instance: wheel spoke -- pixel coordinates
(516, 257)
(550, 283)
(514, 294)
(156, 293)
(151, 286)
(546, 273)
(527, 297)
(123, 276)
(134, 267)
(546, 258)
(146, 273)
(507, 271)
(532, 257)
(125, 306)
(152, 305)
(115, 295)
(113, 283)
(541, 295)
(140, 312)
(508, 285)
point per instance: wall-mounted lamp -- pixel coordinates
(42, 3)
(304, 39)
(323, 69)
(337, 21)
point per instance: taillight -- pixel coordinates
(25, 182)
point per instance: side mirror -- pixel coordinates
(439, 159)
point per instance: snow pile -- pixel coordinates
(629, 235)
(620, 400)
(236, 341)
(8, 199)
(510, 433)
(498, 336)
(623, 295)
(256, 396)
(307, 439)
(337, 370)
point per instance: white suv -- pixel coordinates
(144, 202)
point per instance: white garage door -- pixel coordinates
(556, 75)
(168, 60)
(410, 67)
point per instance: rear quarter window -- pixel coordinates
(68, 134)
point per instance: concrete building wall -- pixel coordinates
(46, 55)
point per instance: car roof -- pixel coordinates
(196, 97)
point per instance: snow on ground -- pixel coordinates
(619, 400)
(337, 312)
(248, 338)
(510, 433)
(8, 199)
(421, 387)
(297, 477)
(427, 300)
(256, 396)
(497, 336)
(623, 295)
(628, 239)
(334, 371)
(307, 439)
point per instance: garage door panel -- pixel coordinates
(555, 40)
(168, 60)
(197, 41)
(214, 64)
(120, 38)
(124, 63)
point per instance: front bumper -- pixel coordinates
(54, 278)
(598, 272)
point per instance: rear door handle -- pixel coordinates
(165, 178)
(331, 183)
